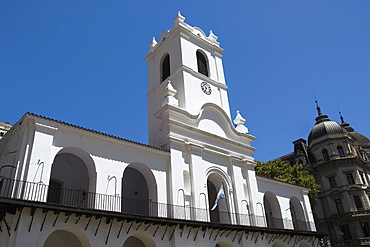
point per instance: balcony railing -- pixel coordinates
(30, 191)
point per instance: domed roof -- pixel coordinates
(362, 140)
(324, 126)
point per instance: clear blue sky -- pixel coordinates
(82, 62)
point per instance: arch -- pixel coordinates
(272, 210)
(341, 152)
(215, 179)
(325, 155)
(223, 243)
(66, 237)
(304, 244)
(89, 162)
(278, 244)
(139, 190)
(139, 240)
(165, 67)
(72, 177)
(202, 63)
(297, 212)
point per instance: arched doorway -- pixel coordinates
(223, 243)
(278, 244)
(139, 240)
(70, 179)
(297, 212)
(133, 242)
(66, 238)
(139, 190)
(272, 210)
(304, 244)
(220, 214)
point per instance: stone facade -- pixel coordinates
(339, 159)
(4, 127)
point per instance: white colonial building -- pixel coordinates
(64, 185)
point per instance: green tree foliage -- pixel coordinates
(295, 174)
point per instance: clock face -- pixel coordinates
(206, 88)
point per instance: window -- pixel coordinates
(339, 205)
(358, 202)
(202, 64)
(362, 178)
(346, 233)
(55, 191)
(166, 67)
(325, 155)
(350, 178)
(332, 182)
(341, 151)
(365, 228)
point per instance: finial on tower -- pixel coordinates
(340, 115)
(345, 125)
(154, 42)
(318, 108)
(239, 121)
(317, 105)
(320, 118)
(179, 18)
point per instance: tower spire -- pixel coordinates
(340, 116)
(343, 123)
(317, 105)
(318, 109)
(320, 117)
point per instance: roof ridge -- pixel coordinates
(95, 131)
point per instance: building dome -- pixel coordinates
(324, 126)
(361, 140)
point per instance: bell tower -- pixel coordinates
(185, 71)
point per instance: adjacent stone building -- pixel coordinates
(339, 159)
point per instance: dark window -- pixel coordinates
(332, 182)
(350, 178)
(325, 155)
(341, 151)
(366, 229)
(55, 191)
(339, 205)
(166, 67)
(346, 233)
(358, 202)
(202, 64)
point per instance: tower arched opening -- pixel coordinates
(220, 212)
(202, 63)
(165, 67)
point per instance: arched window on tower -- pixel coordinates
(341, 151)
(202, 63)
(325, 155)
(166, 70)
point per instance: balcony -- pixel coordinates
(39, 192)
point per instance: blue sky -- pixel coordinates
(82, 62)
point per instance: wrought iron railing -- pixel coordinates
(31, 191)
